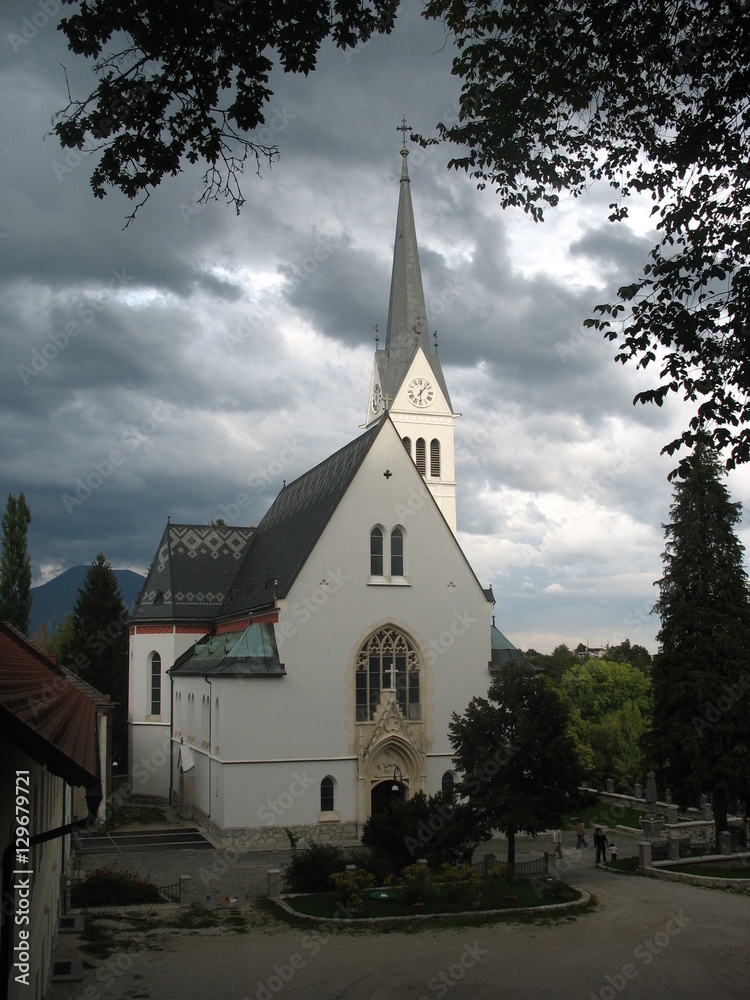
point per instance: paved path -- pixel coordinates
(646, 940)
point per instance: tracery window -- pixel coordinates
(385, 661)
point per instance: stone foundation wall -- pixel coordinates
(266, 838)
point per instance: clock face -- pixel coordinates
(420, 392)
(377, 398)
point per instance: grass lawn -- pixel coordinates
(604, 814)
(713, 870)
(495, 894)
(143, 815)
(627, 865)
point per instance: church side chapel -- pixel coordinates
(290, 675)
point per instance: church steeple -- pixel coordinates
(407, 378)
(407, 316)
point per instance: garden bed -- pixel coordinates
(492, 894)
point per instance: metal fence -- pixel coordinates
(696, 849)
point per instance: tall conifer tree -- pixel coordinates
(15, 565)
(99, 646)
(701, 722)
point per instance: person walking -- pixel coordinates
(580, 835)
(557, 841)
(600, 843)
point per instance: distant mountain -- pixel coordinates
(53, 600)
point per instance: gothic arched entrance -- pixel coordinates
(382, 795)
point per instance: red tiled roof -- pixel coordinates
(43, 714)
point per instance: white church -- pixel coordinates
(298, 673)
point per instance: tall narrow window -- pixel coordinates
(448, 787)
(326, 795)
(421, 457)
(397, 552)
(376, 552)
(435, 458)
(155, 684)
(407, 444)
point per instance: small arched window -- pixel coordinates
(448, 786)
(155, 684)
(407, 444)
(397, 552)
(326, 795)
(421, 457)
(376, 552)
(435, 458)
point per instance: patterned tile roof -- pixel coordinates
(193, 571)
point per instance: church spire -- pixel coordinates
(407, 319)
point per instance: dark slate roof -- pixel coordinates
(503, 650)
(193, 571)
(249, 652)
(293, 524)
(44, 715)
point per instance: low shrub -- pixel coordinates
(310, 870)
(353, 885)
(109, 886)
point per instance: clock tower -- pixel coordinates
(407, 379)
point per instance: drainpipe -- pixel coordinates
(210, 716)
(171, 732)
(93, 798)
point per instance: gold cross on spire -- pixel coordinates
(403, 128)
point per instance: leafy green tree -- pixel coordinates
(63, 641)
(639, 656)
(518, 754)
(15, 565)
(653, 99)
(701, 726)
(99, 649)
(614, 702)
(189, 82)
(561, 660)
(434, 827)
(599, 687)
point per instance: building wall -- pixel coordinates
(50, 808)
(278, 737)
(149, 734)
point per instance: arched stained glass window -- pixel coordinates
(155, 684)
(326, 795)
(387, 660)
(397, 552)
(376, 552)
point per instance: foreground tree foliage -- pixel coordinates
(434, 827)
(189, 81)
(518, 754)
(701, 723)
(652, 98)
(15, 565)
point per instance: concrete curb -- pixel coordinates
(508, 911)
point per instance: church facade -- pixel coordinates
(299, 673)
